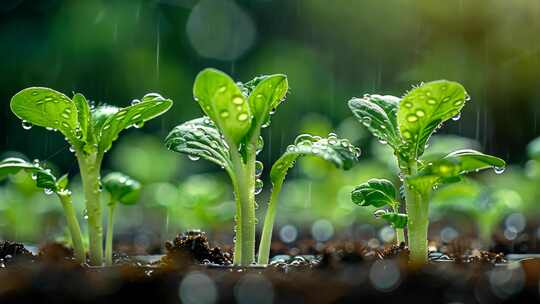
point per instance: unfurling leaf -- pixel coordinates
(375, 192)
(222, 100)
(266, 95)
(84, 116)
(379, 115)
(199, 138)
(424, 109)
(111, 121)
(47, 108)
(122, 188)
(335, 150)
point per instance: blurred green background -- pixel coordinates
(116, 51)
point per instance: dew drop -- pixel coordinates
(260, 145)
(420, 113)
(456, 117)
(258, 186)
(238, 100)
(26, 125)
(258, 168)
(412, 118)
(222, 89)
(302, 138)
(194, 157)
(407, 134)
(224, 114)
(458, 102)
(242, 117)
(366, 121)
(431, 101)
(379, 213)
(138, 125)
(499, 170)
(85, 214)
(136, 116)
(47, 191)
(135, 101)
(408, 104)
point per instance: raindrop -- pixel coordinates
(258, 186)
(193, 157)
(71, 149)
(412, 118)
(85, 214)
(431, 101)
(379, 213)
(260, 145)
(138, 125)
(222, 89)
(224, 114)
(302, 138)
(366, 121)
(238, 100)
(135, 101)
(47, 191)
(408, 104)
(36, 162)
(499, 170)
(420, 113)
(242, 117)
(456, 117)
(258, 168)
(26, 125)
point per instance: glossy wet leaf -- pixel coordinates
(379, 115)
(449, 168)
(266, 96)
(223, 101)
(151, 105)
(375, 192)
(335, 150)
(122, 188)
(199, 138)
(43, 177)
(47, 108)
(423, 109)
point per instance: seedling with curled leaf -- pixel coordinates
(46, 180)
(124, 190)
(90, 131)
(381, 193)
(230, 136)
(406, 125)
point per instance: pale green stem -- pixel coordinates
(245, 214)
(268, 227)
(400, 236)
(110, 234)
(418, 221)
(90, 174)
(73, 225)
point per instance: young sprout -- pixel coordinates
(46, 180)
(230, 137)
(381, 193)
(406, 125)
(90, 131)
(124, 190)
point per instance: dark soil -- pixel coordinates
(338, 272)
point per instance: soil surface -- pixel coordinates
(192, 271)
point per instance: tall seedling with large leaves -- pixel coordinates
(406, 125)
(230, 136)
(90, 132)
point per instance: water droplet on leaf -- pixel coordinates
(26, 125)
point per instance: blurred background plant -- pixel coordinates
(118, 50)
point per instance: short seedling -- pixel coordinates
(124, 190)
(90, 131)
(230, 137)
(46, 180)
(380, 193)
(406, 125)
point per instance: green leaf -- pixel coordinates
(375, 192)
(398, 220)
(449, 168)
(424, 109)
(116, 120)
(47, 108)
(379, 115)
(268, 93)
(222, 100)
(83, 115)
(199, 138)
(337, 151)
(62, 182)
(43, 177)
(122, 188)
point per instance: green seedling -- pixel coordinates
(486, 205)
(46, 180)
(124, 190)
(90, 131)
(230, 136)
(381, 193)
(406, 125)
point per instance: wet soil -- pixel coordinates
(192, 271)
